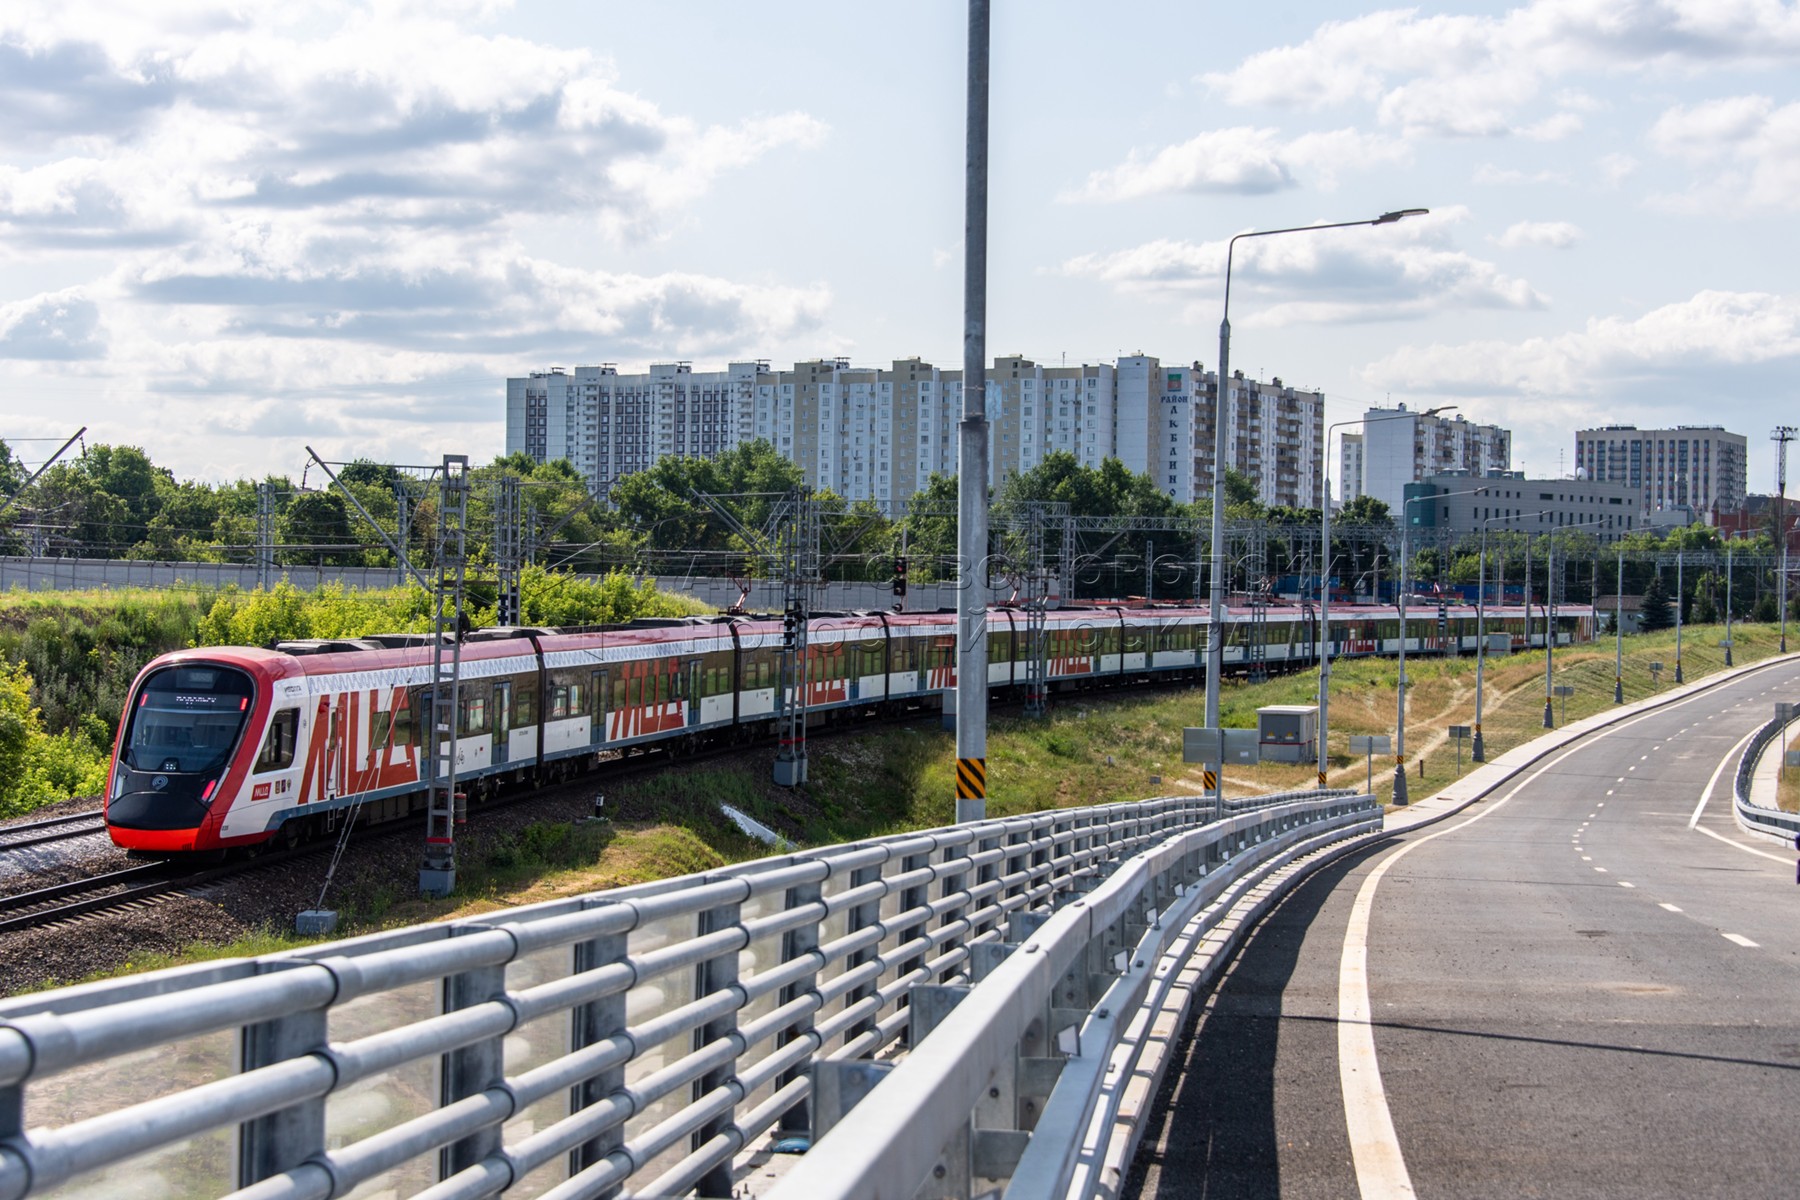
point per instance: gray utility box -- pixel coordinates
(1288, 732)
(1499, 643)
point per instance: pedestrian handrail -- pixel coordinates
(639, 1037)
(1751, 816)
(1002, 1089)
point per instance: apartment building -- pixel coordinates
(1506, 501)
(1700, 467)
(1396, 447)
(880, 434)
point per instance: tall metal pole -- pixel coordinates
(1400, 687)
(972, 447)
(437, 873)
(1549, 628)
(1619, 632)
(1479, 751)
(1728, 604)
(1678, 595)
(1783, 435)
(1215, 644)
(1324, 614)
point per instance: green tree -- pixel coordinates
(1654, 610)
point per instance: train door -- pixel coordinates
(503, 694)
(597, 699)
(692, 687)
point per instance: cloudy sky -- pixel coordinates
(228, 230)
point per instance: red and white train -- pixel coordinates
(226, 747)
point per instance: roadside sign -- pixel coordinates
(1791, 758)
(1784, 710)
(1563, 689)
(1213, 747)
(1460, 734)
(1369, 745)
(1725, 643)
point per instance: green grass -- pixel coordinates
(1091, 749)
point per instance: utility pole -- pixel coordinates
(506, 548)
(9, 501)
(265, 536)
(972, 447)
(437, 873)
(403, 534)
(797, 546)
(1782, 436)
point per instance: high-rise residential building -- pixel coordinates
(879, 435)
(1699, 467)
(1397, 447)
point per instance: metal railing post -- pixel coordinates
(593, 1023)
(861, 916)
(472, 1069)
(283, 1140)
(714, 975)
(799, 943)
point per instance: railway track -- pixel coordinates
(135, 885)
(56, 829)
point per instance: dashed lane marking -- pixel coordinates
(1602, 870)
(1669, 907)
(1739, 939)
(1622, 883)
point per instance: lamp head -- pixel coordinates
(1442, 408)
(1399, 214)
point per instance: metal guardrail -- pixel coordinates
(639, 1037)
(1751, 816)
(1004, 1091)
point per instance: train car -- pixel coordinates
(233, 747)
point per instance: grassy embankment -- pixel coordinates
(1088, 751)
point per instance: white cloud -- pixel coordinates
(1617, 168)
(61, 326)
(1556, 235)
(324, 209)
(1495, 176)
(1749, 147)
(1472, 75)
(1408, 270)
(1552, 129)
(1675, 346)
(1241, 160)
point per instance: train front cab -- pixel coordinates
(177, 753)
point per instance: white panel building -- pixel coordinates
(880, 435)
(1699, 467)
(1397, 447)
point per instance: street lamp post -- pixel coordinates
(1215, 645)
(1400, 689)
(1479, 752)
(1728, 604)
(1619, 631)
(1550, 618)
(1678, 596)
(1325, 577)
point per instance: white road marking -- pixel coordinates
(1670, 907)
(1739, 939)
(1632, 767)
(1601, 803)
(1622, 883)
(1602, 870)
(1587, 858)
(1712, 783)
(1643, 758)
(1780, 858)
(1620, 779)
(1375, 1150)
(1609, 791)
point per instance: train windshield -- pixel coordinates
(187, 719)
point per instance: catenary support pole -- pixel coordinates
(972, 447)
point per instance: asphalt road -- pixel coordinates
(1571, 993)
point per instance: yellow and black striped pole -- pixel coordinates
(971, 779)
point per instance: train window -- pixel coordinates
(872, 657)
(559, 702)
(278, 747)
(574, 706)
(474, 714)
(187, 719)
(618, 699)
(525, 708)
